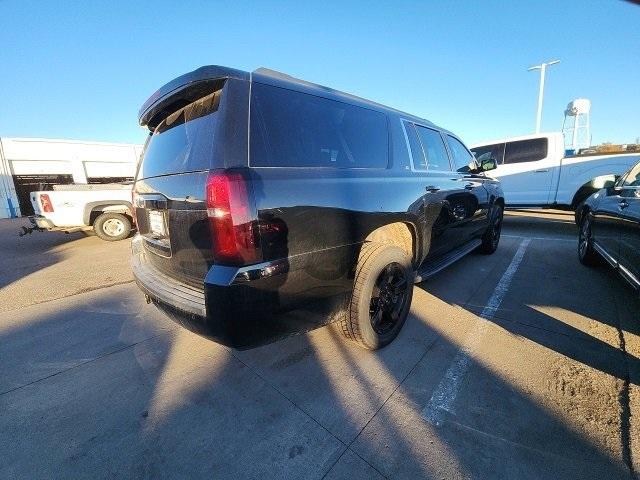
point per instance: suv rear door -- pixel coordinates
(171, 183)
(431, 164)
(472, 198)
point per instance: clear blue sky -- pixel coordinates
(80, 70)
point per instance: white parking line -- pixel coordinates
(445, 393)
(557, 239)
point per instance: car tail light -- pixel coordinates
(232, 219)
(46, 204)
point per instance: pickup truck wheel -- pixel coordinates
(112, 226)
(491, 237)
(586, 254)
(382, 292)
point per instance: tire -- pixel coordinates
(112, 226)
(491, 237)
(580, 211)
(381, 297)
(586, 253)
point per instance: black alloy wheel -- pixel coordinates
(586, 253)
(388, 298)
(491, 237)
(496, 229)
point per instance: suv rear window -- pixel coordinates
(293, 129)
(182, 142)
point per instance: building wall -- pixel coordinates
(22, 158)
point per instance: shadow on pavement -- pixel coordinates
(24, 255)
(135, 400)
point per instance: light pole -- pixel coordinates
(543, 68)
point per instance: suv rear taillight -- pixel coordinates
(46, 204)
(232, 219)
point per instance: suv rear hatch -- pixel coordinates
(191, 197)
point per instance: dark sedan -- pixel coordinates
(610, 227)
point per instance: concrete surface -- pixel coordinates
(43, 266)
(100, 385)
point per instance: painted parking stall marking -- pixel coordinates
(445, 394)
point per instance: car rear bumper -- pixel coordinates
(233, 307)
(243, 307)
(165, 289)
(41, 222)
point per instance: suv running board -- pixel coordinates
(427, 270)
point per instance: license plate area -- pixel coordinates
(157, 224)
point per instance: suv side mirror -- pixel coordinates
(487, 162)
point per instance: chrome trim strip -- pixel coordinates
(403, 124)
(628, 276)
(605, 254)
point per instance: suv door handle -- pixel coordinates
(541, 170)
(432, 189)
(623, 204)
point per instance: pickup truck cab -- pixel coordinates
(259, 193)
(534, 171)
(105, 209)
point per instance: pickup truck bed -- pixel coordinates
(106, 208)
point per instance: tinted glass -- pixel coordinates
(183, 142)
(416, 149)
(434, 149)
(525, 150)
(633, 179)
(496, 151)
(292, 129)
(461, 156)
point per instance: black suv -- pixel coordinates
(258, 193)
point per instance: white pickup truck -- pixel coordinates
(105, 208)
(534, 171)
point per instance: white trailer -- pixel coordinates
(31, 164)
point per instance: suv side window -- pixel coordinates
(526, 150)
(434, 149)
(496, 151)
(461, 156)
(293, 129)
(417, 155)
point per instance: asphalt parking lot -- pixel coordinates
(523, 364)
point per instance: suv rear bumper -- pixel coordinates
(234, 306)
(242, 307)
(162, 288)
